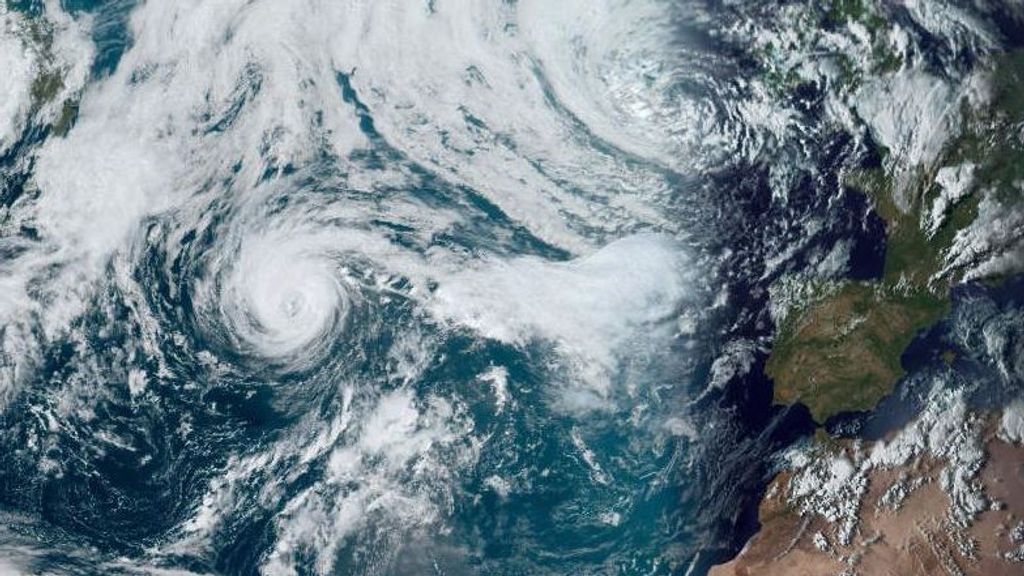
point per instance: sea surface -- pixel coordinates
(319, 287)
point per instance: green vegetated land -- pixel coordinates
(842, 353)
(38, 35)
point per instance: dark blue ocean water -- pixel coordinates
(116, 483)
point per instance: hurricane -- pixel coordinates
(296, 287)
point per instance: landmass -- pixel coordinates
(911, 519)
(945, 173)
(842, 352)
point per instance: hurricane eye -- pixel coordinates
(293, 304)
(283, 298)
(404, 287)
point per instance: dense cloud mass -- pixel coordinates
(346, 287)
